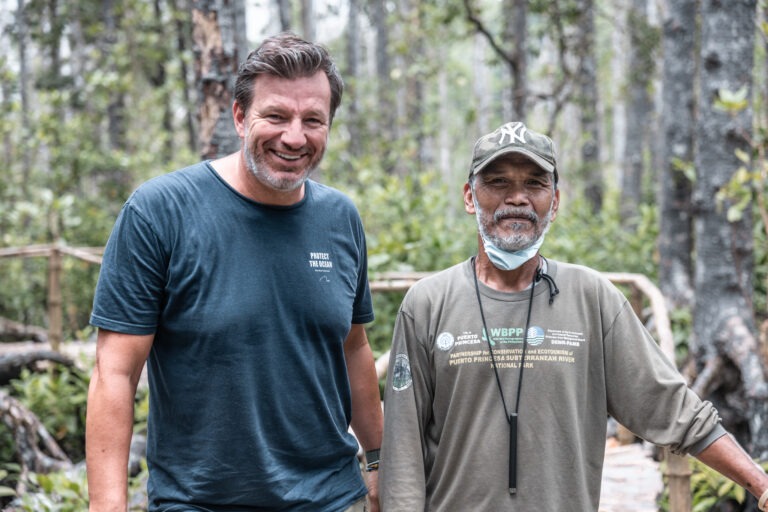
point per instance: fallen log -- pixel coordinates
(12, 364)
(16, 331)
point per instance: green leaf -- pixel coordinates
(742, 155)
(705, 505)
(734, 214)
(732, 101)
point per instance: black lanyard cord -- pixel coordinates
(511, 418)
(490, 342)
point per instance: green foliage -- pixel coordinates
(681, 322)
(413, 223)
(708, 488)
(56, 492)
(67, 491)
(600, 241)
(58, 398)
(97, 124)
(141, 410)
(8, 476)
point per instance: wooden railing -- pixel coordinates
(678, 471)
(54, 252)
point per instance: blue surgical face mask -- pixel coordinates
(505, 260)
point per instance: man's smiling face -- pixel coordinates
(285, 130)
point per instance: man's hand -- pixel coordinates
(372, 481)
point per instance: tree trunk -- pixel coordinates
(725, 336)
(516, 32)
(183, 29)
(677, 113)
(386, 104)
(591, 169)
(639, 108)
(285, 15)
(481, 85)
(26, 160)
(116, 107)
(308, 19)
(352, 77)
(217, 47)
(413, 127)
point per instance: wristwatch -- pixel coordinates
(372, 460)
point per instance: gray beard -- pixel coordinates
(515, 241)
(257, 167)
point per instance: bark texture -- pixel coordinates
(586, 77)
(639, 111)
(217, 44)
(725, 337)
(677, 119)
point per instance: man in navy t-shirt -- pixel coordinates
(243, 286)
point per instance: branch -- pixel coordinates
(16, 331)
(36, 450)
(480, 26)
(709, 378)
(12, 364)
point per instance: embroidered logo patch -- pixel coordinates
(401, 373)
(445, 341)
(535, 336)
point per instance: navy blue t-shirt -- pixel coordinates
(250, 305)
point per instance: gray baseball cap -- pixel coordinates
(514, 138)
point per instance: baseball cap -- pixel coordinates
(514, 137)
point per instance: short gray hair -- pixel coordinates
(287, 56)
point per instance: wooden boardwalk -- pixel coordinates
(632, 480)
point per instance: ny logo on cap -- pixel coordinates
(515, 132)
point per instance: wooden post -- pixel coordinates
(678, 474)
(55, 316)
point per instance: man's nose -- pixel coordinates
(517, 193)
(293, 135)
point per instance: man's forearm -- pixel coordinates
(367, 418)
(109, 427)
(727, 457)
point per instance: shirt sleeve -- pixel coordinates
(649, 396)
(407, 409)
(132, 277)
(363, 306)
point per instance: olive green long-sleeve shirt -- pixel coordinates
(446, 438)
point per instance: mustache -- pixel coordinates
(515, 213)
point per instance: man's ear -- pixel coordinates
(555, 204)
(238, 114)
(469, 204)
